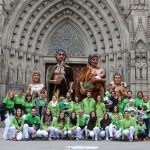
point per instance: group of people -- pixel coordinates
(52, 112)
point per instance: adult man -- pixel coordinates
(59, 78)
(128, 126)
(32, 125)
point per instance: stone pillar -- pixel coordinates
(132, 72)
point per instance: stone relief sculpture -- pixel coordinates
(144, 69)
(11, 73)
(136, 2)
(28, 75)
(138, 68)
(119, 69)
(19, 74)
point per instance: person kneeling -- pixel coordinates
(93, 126)
(115, 129)
(16, 126)
(32, 125)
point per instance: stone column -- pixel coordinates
(132, 72)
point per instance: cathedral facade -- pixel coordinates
(32, 30)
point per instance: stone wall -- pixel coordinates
(31, 31)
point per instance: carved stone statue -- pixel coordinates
(11, 73)
(28, 75)
(19, 74)
(138, 68)
(144, 69)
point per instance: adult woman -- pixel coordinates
(60, 125)
(8, 105)
(47, 128)
(54, 106)
(93, 126)
(72, 125)
(35, 85)
(115, 112)
(28, 104)
(92, 78)
(105, 122)
(118, 86)
(16, 126)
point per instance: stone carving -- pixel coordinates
(11, 73)
(144, 69)
(19, 74)
(69, 39)
(28, 75)
(136, 2)
(138, 68)
(141, 68)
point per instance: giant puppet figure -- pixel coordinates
(59, 78)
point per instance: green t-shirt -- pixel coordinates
(28, 106)
(77, 107)
(19, 99)
(88, 105)
(82, 121)
(59, 124)
(18, 123)
(126, 123)
(147, 111)
(138, 102)
(100, 109)
(32, 120)
(9, 103)
(42, 102)
(116, 124)
(121, 107)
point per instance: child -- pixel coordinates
(140, 130)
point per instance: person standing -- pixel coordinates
(59, 78)
(19, 99)
(89, 104)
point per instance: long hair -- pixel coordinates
(73, 120)
(8, 94)
(63, 120)
(28, 95)
(16, 112)
(50, 115)
(91, 118)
